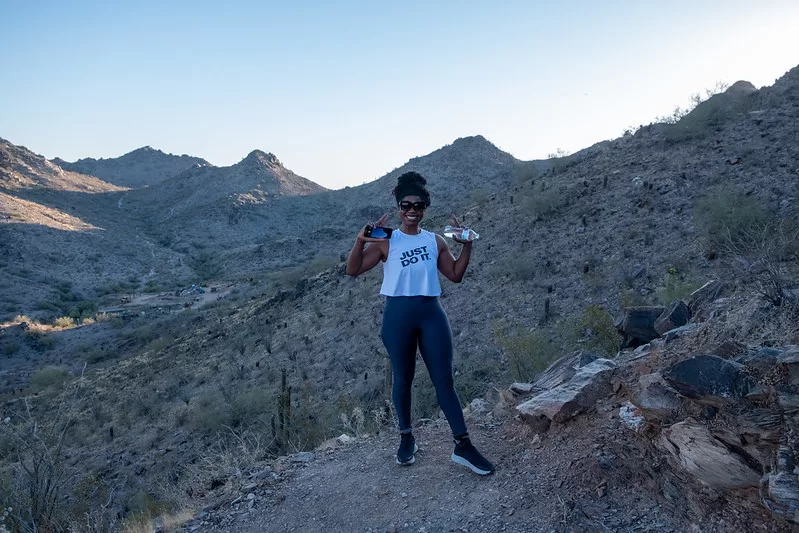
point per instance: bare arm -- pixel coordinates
(364, 258)
(453, 269)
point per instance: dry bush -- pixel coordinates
(728, 218)
(516, 267)
(593, 330)
(48, 377)
(544, 202)
(33, 450)
(676, 287)
(528, 352)
(766, 256)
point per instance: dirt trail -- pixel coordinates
(579, 478)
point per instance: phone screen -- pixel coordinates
(379, 233)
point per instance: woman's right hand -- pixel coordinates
(364, 239)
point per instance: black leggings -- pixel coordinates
(408, 322)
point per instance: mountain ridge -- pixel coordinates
(138, 168)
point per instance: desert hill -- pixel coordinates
(142, 167)
(21, 169)
(203, 401)
(256, 179)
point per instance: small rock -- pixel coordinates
(759, 359)
(681, 331)
(302, 457)
(521, 388)
(655, 398)
(631, 416)
(344, 439)
(478, 405)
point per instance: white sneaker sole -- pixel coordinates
(413, 457)
(461, 461)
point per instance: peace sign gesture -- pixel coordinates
(362, 238)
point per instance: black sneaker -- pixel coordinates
(467, 455)
(407, 449)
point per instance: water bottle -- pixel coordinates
(464, 234)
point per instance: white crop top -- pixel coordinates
(412, 265)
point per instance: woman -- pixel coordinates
(413, 316)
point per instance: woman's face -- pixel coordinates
(411, 210)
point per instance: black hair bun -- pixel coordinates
(411, 179)
(411, 184)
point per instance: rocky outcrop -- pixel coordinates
(579, 394)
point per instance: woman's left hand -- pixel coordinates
(453, 221)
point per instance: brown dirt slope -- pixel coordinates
(591, 475)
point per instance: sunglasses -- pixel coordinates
(417, 206)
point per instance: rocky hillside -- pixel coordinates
(644, 219)
(64, 241)
(21, 169)
(142, 167)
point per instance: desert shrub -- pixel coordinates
(480, 196)
(675, 287)
(47, 377)
(593, 330)
(729, 217)
(425, 403)
(64, 322)
(516, 267)
(631, 298)
(83, 309)
(96, 355)
(47, 306)
(544, 202)
(528, 352)
(143, 508)
(217, 409)
(10, 349)
(20, 319)
(39, 341)
(476, 377)
(525, 172)
(206, 265)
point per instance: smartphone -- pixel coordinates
(377, 232)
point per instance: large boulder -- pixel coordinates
(709, 379)
(693, 447)
(637, 325)
(563, 370)
(676, 314)
(589, 384)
